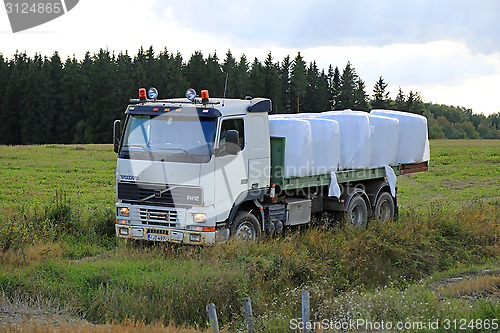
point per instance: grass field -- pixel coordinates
(61, 249)
(32, 174)
(460, 171)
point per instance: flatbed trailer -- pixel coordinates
(364, 193)
(343, 176)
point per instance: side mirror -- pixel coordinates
(232, 144)
(116, 136)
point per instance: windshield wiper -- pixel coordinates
(188, 154)
(135, 146)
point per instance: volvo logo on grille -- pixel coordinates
(157, 216)
(157, 194)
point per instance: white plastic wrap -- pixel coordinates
(298, 144)
(355, 138)
(326, 145)
(325, 135)
(413, 142)
(385, 134)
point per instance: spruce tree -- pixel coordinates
(360, 96)
(256, 79)
(140, 71)
(298, 80)
(285, 86)
(400, 102)
(10, 127)
(215, 76)
(242, 78)
(4, 79)
(196, 72)
(381, 98)
(102, 108)
(271, 79)
(34, 116)
(335, 89)
(71, 100)
(83, 132)
(172, 67)
(348, 88)
(229, 71)
(52, 73)
(310, 100)
(317, 92)
(414, 103)
(126, 86)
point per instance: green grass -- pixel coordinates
(33, 174)
(460, 171)
(173, 284)
(62, 248)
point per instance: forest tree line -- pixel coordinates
(48, 100)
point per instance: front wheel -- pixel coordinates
(245, 227)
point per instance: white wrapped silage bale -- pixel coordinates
(413, 142)
(325, 135)
(384, 137)
(298, 144)
(355, 138)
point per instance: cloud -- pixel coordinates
(114, 25)
(435, 47)
(305, 24)
(476, 93)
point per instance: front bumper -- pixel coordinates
(165, 224)
(169, 235)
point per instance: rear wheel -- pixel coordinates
(357, 212)
(245, 227)
(384, 208)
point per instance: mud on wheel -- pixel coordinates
(245, 227)
(356, 214)
(384, 208)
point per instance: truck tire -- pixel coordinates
(357, 212)
(245, 227)
(384, 208)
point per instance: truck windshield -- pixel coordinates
(169, 138)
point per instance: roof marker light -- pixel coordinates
(191, 94)
(204, 96)
(142, 94)
(153, 93)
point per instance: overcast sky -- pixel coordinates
(448, 50)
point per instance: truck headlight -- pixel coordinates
(124, 211)
(199, 217)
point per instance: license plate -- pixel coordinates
(157, 238)
(176, 236)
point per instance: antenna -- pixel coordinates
(225, 85)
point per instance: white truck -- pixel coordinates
(199, 170)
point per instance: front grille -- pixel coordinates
(157, 231)
(166, 218)
(159, 194)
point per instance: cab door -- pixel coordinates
(231, 171)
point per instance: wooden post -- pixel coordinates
(212, 316)
(247, 305)
(305, 311)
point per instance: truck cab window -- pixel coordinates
(233, 124)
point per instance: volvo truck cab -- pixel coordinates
(187, 167)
